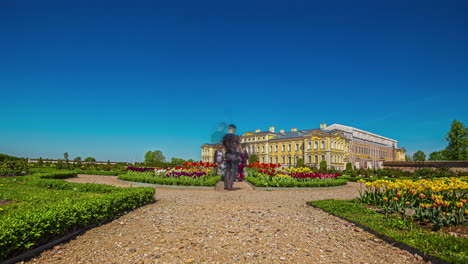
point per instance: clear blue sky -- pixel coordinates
(114, 79)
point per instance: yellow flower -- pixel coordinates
(361, 181)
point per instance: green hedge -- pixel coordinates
(265, 182)
(47, 209)
(446, 247)
(57, 175)
(182, 180)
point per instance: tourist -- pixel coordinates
(218, 159)
(231, 143)
(243, 164)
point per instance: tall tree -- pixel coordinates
(437, 155)
(40, 162)
(457, 137)
(152, 157)
(419, 156)
(65, 155)
(408, 158)
(77, 159)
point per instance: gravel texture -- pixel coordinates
(217, 226)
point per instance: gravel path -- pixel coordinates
(244, 226)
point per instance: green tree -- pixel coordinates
(349, 166)
(253, 158)
(457, 137)
(90, 159)
(437, 155)
(177, 161)
(154, 157)
(419, 156)
(65, 156)
(323, 165)
(40, 162)
(408, 158)
(77, 159)
(300, 163)
(59, 165)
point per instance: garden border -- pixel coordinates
(181, 187)
(400, 245)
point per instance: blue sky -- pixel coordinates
(114, 79)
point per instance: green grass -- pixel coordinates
(449, 248)
(46, 209)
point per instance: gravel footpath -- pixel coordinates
(244, 226)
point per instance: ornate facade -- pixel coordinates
(336, 144)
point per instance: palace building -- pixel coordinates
(336, 144)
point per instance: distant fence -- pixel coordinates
(461, 165)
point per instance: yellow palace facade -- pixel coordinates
(334, 146)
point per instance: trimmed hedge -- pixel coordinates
(182, 180)
(263, 182)
(57, 175)
(35, 220)
(104, 173)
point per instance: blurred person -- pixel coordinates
(218, 159)
(231, 143)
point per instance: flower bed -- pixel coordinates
(39, 210)
(190, 174)
(271, 175)
(441, 202)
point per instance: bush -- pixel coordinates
(323, 165)
(57, 175)
(300, 163)
(14, 167)
(349, 166)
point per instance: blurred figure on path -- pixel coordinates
(231, 143)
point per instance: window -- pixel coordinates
(263, 159)
(310, 159)
(315, 145)
(271, 149)
(309, 146)
(297, 147)
(284, 160)
(333, 145)
(271, 159)
(284, 147)
(258, 149)
(316, 158)
(289, 160)
(322, 145)
(323, 157)
(263, 149)
(276, 148)
(276, 159)
(289, 148)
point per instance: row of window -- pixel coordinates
(370, 151)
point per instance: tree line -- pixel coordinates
(457, 146)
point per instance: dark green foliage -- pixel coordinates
(300, 163)
(419, 156)
(90, 159)
(14, 167)
(437, 156)
(153, 158)
(349, 166)
(253, 158)
(457, 138)
(46, 209)
(449, 248)
(57, 175)
(323, 165)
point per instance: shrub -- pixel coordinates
(349, 167)
(323, 165)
